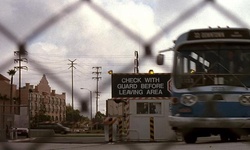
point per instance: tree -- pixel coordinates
(40, 116)
(11, 72)
(98, 120)
(72, 115)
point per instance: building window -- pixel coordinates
(142, 108)
(148, 108)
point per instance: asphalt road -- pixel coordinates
(92, 142)
(201, 145)
(64, 138)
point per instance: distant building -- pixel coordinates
(6, 110)
(41, 98)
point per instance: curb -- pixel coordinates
(22, 140)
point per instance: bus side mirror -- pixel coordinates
(160, 59)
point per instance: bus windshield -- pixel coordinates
(214, 63)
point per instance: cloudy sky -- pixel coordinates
(105, 33)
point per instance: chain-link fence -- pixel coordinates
(177, 17)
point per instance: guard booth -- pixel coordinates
(141, 119)
(140, 106)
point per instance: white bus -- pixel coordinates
(211, 84)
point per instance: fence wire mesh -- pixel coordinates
(23, 38)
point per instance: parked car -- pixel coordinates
(22, 132)
(57, 127)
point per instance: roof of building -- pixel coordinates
(4, 78)
(43, 85)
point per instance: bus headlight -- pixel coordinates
(245, 99)
(188, 99)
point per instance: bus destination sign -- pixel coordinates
(140, 85)
(219, 34)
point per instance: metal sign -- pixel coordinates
(228, 33)
(140, 85)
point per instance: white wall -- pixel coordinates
(22, 120)
(140, 123)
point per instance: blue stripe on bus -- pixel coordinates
(218, 109)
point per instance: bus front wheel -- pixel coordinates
(228, 137)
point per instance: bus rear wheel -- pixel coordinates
(233, 138)
(189, 138)
(224, 137)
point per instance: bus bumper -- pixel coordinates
(197, 122)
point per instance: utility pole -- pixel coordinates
(19, 60)
(72, 79)
(97, 78)
(19, 68)
(136, 63)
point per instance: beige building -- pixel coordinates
(41, 98)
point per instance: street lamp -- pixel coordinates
(90, 100)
